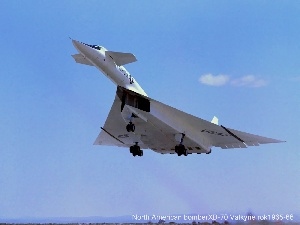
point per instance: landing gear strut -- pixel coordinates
(180, 149)
(136, 150)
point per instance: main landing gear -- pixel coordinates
(180, 149)
(136, 150)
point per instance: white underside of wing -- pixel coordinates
(248, 139)
(205, 132)
(150, 133)
(113, 127)
(157, 130)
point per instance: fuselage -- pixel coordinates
(97, 56)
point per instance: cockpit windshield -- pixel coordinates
(93, 46)
(96, 47)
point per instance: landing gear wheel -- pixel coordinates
(181, 150)
(177, 150)
(130, 127)
(185, 152)
(132, 150)
(141, 153)
(135, 150)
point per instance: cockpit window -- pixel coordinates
(93, 46)
(96, 47)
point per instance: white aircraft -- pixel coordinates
(139, 122)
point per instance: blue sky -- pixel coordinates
(238, 60)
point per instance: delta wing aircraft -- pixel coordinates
(139, 122)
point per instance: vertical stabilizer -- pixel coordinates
(215, 120)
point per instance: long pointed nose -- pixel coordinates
(82, 48)
(79, 46)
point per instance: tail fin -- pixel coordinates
(215, 120)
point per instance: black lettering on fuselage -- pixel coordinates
(127, 75)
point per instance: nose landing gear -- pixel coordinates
(130, 127)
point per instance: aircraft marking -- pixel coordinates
(214, 132)
(123, 136)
